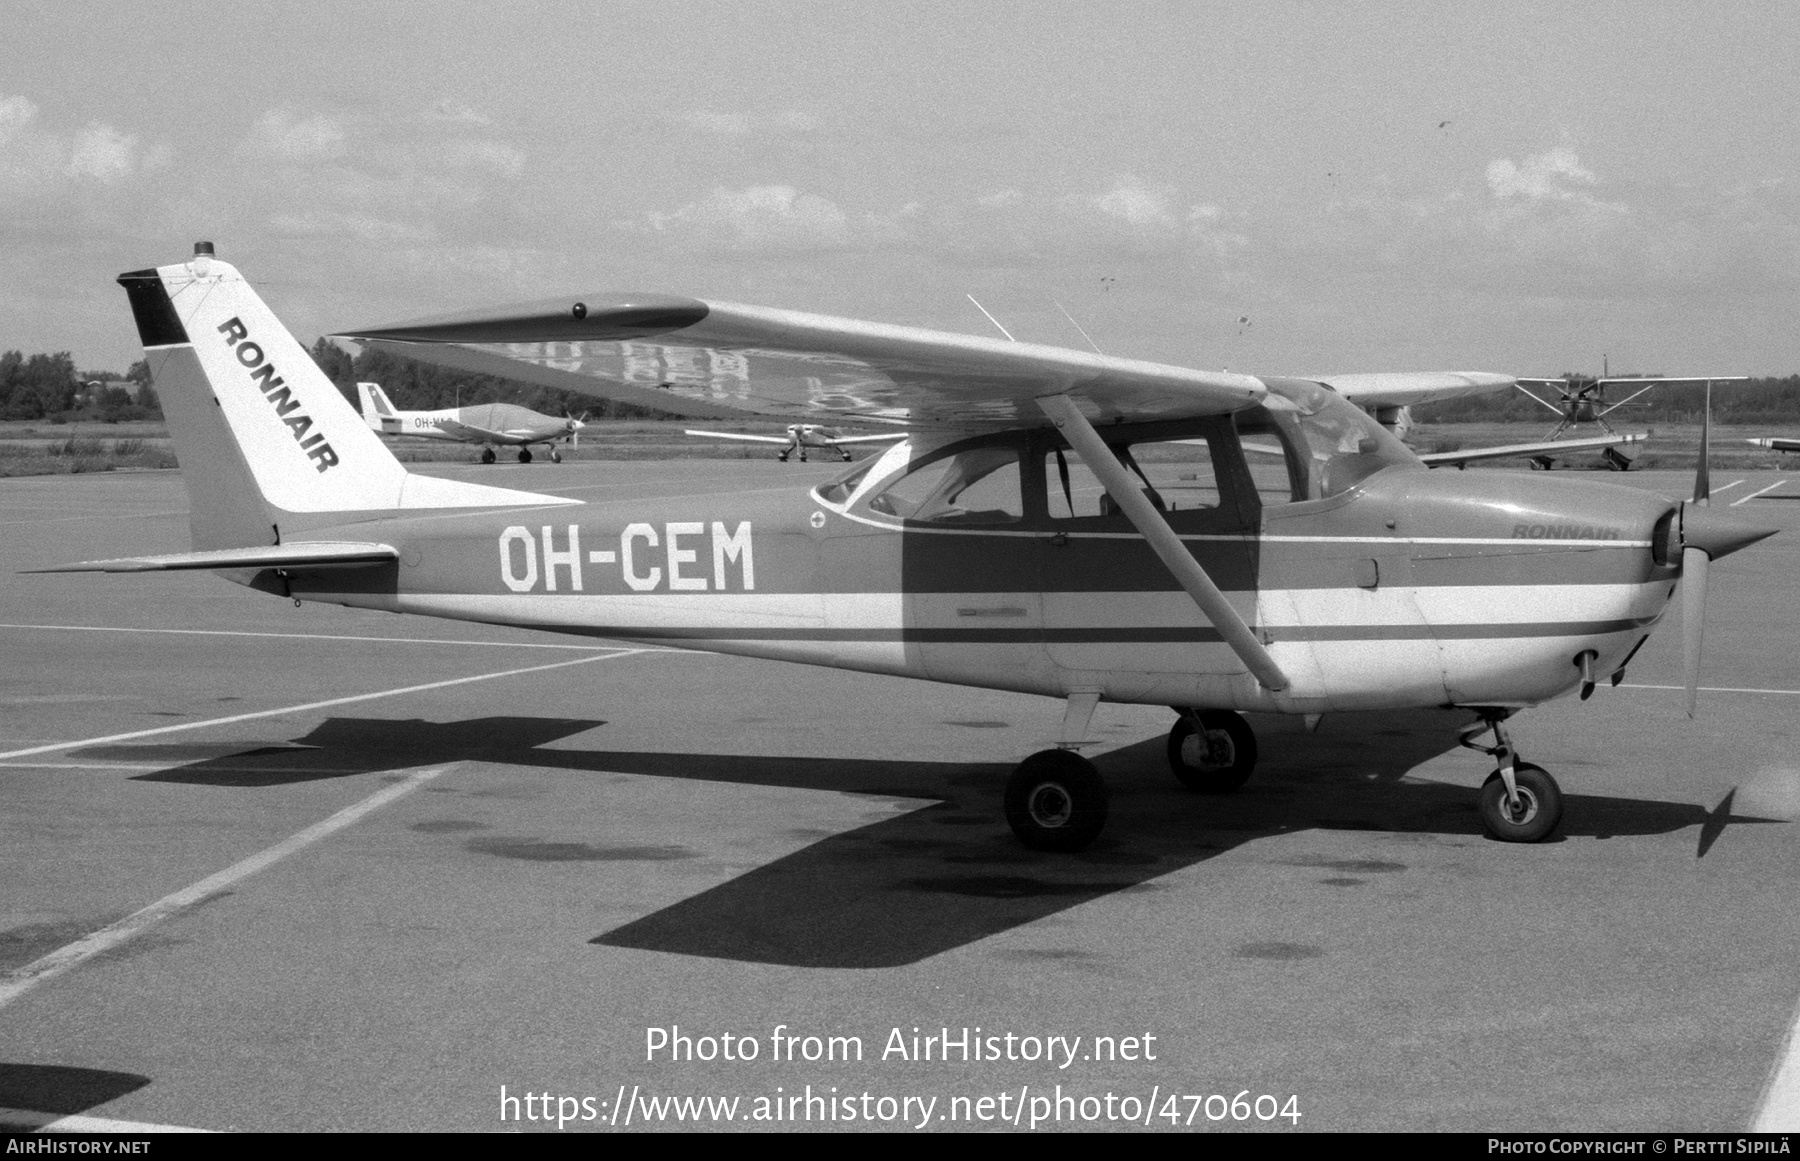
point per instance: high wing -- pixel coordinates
(1549, 447)
(1408, 388)
(321, 554)
(721, 360)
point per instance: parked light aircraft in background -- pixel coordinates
(1776, 443)
(1069, 524)
(1390, 398)
(801, 436)
(502, 424)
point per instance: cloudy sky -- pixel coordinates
(1273, 188)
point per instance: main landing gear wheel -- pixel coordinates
(524, 455)
(1212, 751)
(487, 455)
(1534, 817)
(1056, 801)
(555, 456)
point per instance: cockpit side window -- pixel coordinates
(1178, 475)
(978, 485)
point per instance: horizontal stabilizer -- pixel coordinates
(321, 554)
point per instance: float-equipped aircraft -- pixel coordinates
(491, 424)
(1342, 577)
(1389, 398)
(801, 436)
(1581, 399)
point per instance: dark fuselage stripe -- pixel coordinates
(1174, 635)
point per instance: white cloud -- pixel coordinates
(1137, 203)
(743, 124)
(454, 112)
(281, 135)
(757, 219)
(16, 116)
(485, 157)
(103, 153)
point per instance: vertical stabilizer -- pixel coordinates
(376, 408)
(264, 438)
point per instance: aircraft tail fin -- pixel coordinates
(376, 406)
(266, 442)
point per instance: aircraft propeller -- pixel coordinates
(1702, 536)
(573, 426)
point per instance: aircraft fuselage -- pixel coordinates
(1414, 588)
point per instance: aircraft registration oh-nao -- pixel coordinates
(1058, 522)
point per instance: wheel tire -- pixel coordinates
(524, 455)
(1056, 801)
(556, 457)
(487, 455)
(1217, 760)
(1540, 802)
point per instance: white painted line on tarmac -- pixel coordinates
(175, 765)
(1726, 487)
(15, 983)
(1779, 1109)
(1683, 688)
(36, 1122)
(311, 705)
(1755, 494)
(310, 636)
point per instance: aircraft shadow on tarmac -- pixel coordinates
(915, 885)
(60, 1090)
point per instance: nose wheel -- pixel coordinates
(1056, 801)
(1519, 802)
(1212, 751)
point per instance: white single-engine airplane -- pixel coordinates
(493, 424)
(801, 436)
(1341, 577)
(1389, 399)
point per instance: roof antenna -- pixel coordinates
(1077, 326)
(992, 319)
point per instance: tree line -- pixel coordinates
(1766, 401)
(49, 387)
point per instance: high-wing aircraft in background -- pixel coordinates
(1390, 397)
(492, 424)
(801, 436)
(1340, 577)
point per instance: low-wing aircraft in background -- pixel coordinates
(801, 436)
(1776, 443)
(492, 424)
(1341, 577)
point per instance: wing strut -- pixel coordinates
(1167, 546)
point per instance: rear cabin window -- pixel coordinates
(1176, 474)
(975, 486)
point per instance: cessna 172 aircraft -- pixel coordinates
(504, 424)
(1342, 576)
(801, 436)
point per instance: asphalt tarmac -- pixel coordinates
(557, 852)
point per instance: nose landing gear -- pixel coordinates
(1519, 802)
(1056, 801)
(1212, 751)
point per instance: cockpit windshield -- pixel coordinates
(1332, 444)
